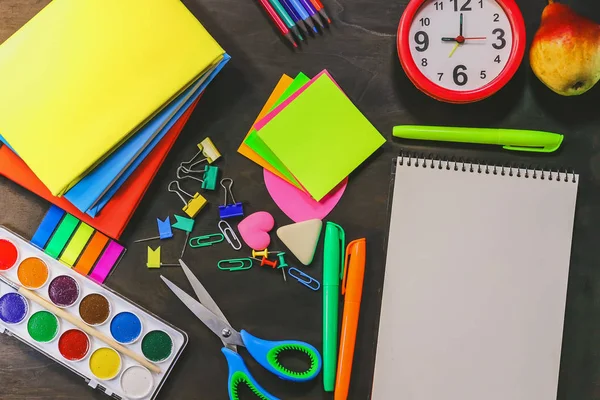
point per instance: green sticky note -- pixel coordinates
(321, 137)
(255, 143)
(61, 236)
(76, 244)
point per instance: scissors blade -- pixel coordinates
(202, 293)
(219, 327)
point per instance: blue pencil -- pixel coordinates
(303, 14)
(292, 12)
(312, 12)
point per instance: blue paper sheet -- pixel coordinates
(95, 210)
(92, 192)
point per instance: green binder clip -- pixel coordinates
(235, 264)
(209, 176)
(206, 240)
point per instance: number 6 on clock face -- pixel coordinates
(461, 51)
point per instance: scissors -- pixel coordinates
(265, 352)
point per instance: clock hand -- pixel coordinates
(461, 24)
(448, 39)
(456, 46)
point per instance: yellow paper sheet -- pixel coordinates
(244, 149)
(82, 76)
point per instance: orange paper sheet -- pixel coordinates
(245, 150)
(119, 210)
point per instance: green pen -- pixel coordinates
(333, 262)
(510, 139)
(285, 17)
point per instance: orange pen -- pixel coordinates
(354, 271)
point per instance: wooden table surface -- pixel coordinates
(359, 50)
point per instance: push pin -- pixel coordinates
(191, 207)
(207, 148)
(266, 261)
(282, 264)
(209, 176)
(164, 231)
(263, 253)
(186, 225)
(154, 259)
(230, 210)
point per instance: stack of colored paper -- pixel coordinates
(94, 94)
(313, 137)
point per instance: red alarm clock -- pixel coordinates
(461, 51)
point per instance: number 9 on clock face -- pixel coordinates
(461, 51)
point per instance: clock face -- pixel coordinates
(461, 45)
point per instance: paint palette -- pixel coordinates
(110, 313)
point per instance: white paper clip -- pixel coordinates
(207, 148)
(230, 235)
(195, 203)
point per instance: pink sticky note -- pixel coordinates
(299, 205)
(107, 261)
(267, 118)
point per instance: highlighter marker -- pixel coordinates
(352, 287)
(333, 259)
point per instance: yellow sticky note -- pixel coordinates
(153, 258)
(82, 76)
(78, 241)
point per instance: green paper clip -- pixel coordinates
(235, 264)
(206, 240)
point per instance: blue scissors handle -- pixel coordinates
(239, 374)
(266, 353)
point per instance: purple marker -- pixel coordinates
(13, 308)
(312, 12)
(63, 291)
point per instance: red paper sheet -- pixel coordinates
(118, 211)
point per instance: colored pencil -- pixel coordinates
(280, 25)
(304, 14)
(285, 17)
(295, 17)
(312, 12)
(321, 9)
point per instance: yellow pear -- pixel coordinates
(565, 53)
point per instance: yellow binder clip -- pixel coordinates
(192, 206)
(207, 148)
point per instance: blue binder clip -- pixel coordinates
(230, 210)
(209, 176)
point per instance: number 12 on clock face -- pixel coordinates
(461, 51)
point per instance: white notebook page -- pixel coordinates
(475, 284)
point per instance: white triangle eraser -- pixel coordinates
(302, 238)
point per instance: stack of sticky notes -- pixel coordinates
(94, 94)
(313, 136)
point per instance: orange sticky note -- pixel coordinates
(91, 253)
(244, 149)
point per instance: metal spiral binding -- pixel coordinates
(422, 160)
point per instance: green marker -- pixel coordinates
(285, 17)
(333, 264)
(510, 139)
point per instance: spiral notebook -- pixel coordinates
(475, 283)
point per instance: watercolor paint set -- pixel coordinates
(97, 309)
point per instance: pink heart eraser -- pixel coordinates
(255, 228)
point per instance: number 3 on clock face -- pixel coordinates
(461, 51)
